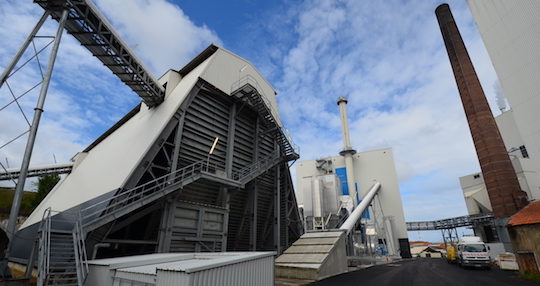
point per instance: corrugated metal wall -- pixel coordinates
(258, 272)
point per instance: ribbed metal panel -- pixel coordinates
(259, 272)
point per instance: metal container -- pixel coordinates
(188, 269)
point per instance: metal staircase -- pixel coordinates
(62, 254)
(247, 90)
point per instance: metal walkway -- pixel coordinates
(449, 223)
(94, 32)
(56, 169)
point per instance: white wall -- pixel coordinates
(511, 32)
(376, 165)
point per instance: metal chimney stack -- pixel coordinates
(500, 178)
(347, 151)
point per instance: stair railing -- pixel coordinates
(266, 108)
(44, 247)
(122, 199)
(81, 258)
(246, 172)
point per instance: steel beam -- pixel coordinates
(277, 210)
(12, 223)
(253, 218)
(22, 49)
(230, 140)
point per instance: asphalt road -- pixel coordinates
(425, 272)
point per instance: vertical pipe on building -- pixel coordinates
(503, 188)
(347, 151)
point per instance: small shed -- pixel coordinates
(184, 269)
(524, 230)
(426, 252)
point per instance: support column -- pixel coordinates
(253, 218)
(22, 49)
(254, 196)
(167, 222)
(277, 210)
(230, 141)
(12, 223)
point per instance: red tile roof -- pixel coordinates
(528, 215)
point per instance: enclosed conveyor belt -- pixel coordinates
(95, 33)
(12, 174)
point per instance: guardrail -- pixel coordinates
(114, 204)
(44, 247)
(449, 222)
(81, 258)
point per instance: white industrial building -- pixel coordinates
(510, 31)
(474, 188)
(328, 189)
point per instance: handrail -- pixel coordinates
(44, 247)
(81, 258)
(248, 170)
(113, 204)
(249, 80)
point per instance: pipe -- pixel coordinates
(347, 151)
(349, 224)
(342, 103)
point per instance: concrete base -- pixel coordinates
(315, 256)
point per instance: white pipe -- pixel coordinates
(348, 151)
(349, 224)
(342, 102)
(317, 198)
(349, 168)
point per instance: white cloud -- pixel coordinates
(159, 32)
(388, 58)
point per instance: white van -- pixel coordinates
(471, 251)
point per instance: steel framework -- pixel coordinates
(448, 223)
(96, 34)
(57, 169)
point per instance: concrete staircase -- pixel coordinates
(315, 256)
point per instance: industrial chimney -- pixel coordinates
(347, 151)
(500, 178)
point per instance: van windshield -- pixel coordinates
(474, 248)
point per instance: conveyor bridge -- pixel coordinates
(96, 34)
(449, 223)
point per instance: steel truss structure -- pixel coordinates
(448, 227)
(469, 220)
(180, 199)
(81, 19)
(96, 34)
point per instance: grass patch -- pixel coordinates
(529, 275)
(6, 199)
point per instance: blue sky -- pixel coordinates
(387, 57)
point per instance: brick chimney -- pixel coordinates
(500, 178)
